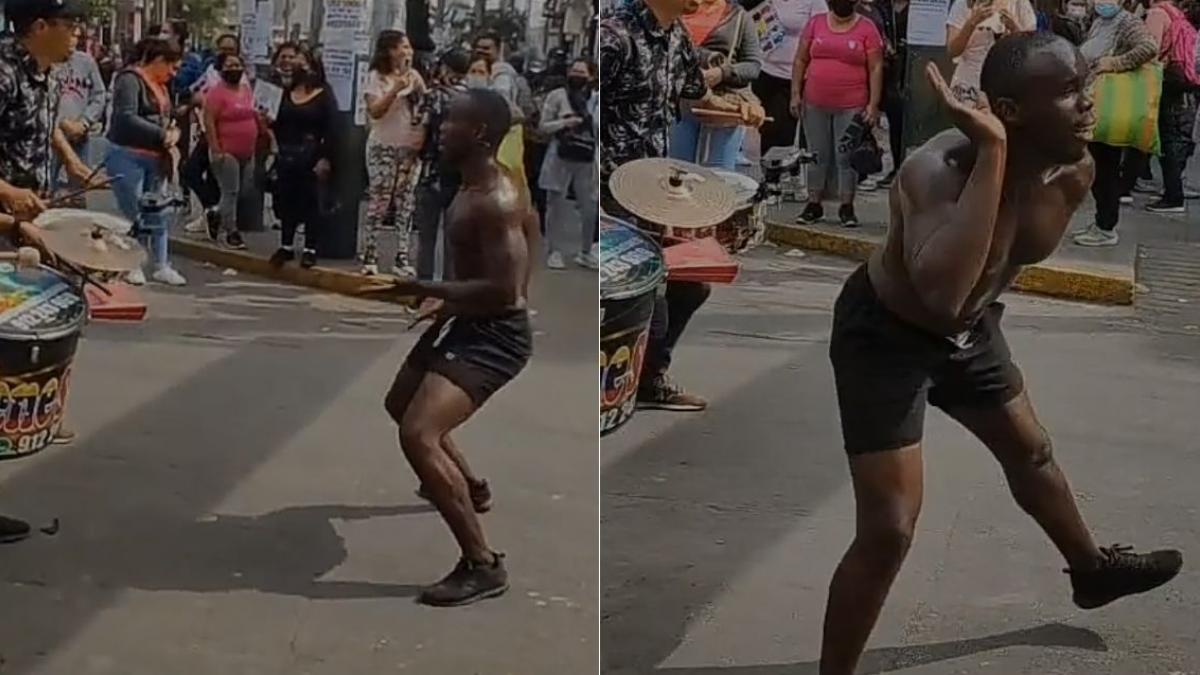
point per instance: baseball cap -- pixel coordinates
(25, 12)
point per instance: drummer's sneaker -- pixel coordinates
(471, 581)
(587, 260)
(169, 276)
(481, 495)
(401, 266)
(663, 394)
(282, 255)
(847, 216)
(370, 262)
(554, 261)
(812, 213)
(136, 277)
(12, 530)
(233, 239)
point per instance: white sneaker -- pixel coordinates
(1126, 199)
(370, 270)
(136, 277)
(586, 260)
(555, 261)
(1083, 229)
(167, 275)
(1097, 238)
(868, 184)
(198, 225)
(405, 271)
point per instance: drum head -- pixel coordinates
(38, 304)
(744, 187)
(630, 262)
(108, 221)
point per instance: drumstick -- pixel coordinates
(724, 114)
(26, 256)
(68, 196)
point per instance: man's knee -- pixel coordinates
(418, 436)
(887, 538)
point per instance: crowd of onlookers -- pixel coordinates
(827, 72)
(180, 123)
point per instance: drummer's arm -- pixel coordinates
(66, 154)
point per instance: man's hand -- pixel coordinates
(712, 76)
(23, 204)
(31, 235)
(973, 118)
(753, 114)
(74, 130)
(85, 175)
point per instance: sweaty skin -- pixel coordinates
(969, 210)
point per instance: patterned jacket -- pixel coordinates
(27, 103)
(645, 70)
(434, 107)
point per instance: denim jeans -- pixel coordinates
(705, 145)
(139, 173)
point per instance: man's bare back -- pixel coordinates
(1032, 216)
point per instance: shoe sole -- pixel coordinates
(483, 595)
(672, 407)
(1177, 210)
(1096, 244)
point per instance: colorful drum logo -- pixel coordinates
(631, 269)
(41, 316)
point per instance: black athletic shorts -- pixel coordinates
(478, 354)
(886, 369)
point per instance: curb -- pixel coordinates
(1056, 282)
(323, 278)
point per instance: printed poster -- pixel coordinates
(770, 30)
(927, 22)
(345, 35)
(360, 101)
(267, 98)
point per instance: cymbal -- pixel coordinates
(84, 242)
(106, 220)
(673, 192)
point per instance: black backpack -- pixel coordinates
(578, 144)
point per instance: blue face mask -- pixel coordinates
(1107, 10)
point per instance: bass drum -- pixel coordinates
(745, 228)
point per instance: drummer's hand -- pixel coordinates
(83, 173)
(713, 76)
(31, 235)
(73, 129)
(24, 204)
(753, 114)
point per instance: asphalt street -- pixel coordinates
(237, 504)
(720, 530)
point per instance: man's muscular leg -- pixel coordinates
(888, 489)
(1022, 446)
(437, 407)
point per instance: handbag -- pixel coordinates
(578, 144)
(866, 157)
(734, 96)
(1127, 108)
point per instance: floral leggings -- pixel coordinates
(392, 174)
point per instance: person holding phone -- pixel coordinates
(972, 27)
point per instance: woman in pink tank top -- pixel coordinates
(232, 126)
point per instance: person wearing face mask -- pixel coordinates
(570, 163)
(477, 74)
(731, 58)
(838, 79)
(395, 139)
(1116, 42)
(973, 26)
(142, 140)
(232, 125)
(304, 137)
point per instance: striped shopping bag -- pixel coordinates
(1127, 108)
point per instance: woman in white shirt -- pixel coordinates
(394, 143)
(974, 26)
(773, 86)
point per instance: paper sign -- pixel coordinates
(927, 23)
(345, 26)
(360, 101)
(267, 98)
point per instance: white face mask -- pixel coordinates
(476, 82)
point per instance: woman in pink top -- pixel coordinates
(231, 125)
(838, 76)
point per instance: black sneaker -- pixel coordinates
(212, 218)
(481, 495)
(1122, 573)
(234, 240)
(660, 393)
(469, 582)
(1164, 206)
(308, 258)
(846, 215)
(12, 530)
(812, 213)
(282, 256)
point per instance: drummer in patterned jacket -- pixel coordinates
(647, 65)
(43, 31)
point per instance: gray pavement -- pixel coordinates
(720, 530)
(236, 502)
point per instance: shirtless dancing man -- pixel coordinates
(479, 341)
(920, 322)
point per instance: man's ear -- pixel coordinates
(1006, 109)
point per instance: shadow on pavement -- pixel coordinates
(890, 659)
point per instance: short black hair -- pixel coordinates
(492, 111)
(457, 60)
(151, 49)
(489, 35)
(1003, 74)
(225, 56)
(229, 36)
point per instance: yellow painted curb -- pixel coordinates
(1047, 280)
(323, 278)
